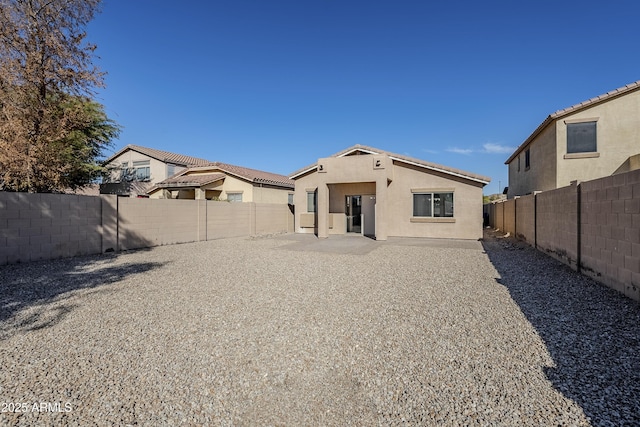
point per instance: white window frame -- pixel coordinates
(234, 196)
(312, 202)
(143, 166)
(432, 194)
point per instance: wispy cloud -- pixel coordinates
(457, 150)
(492, 148)
(427, 150)
(487, 148)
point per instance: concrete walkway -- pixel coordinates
(356, 244)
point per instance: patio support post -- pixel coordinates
(323, 210)
(381, 207)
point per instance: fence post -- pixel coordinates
(535, 219)
(515, 216)
(579, 226)
(252, 219)
(109, 223)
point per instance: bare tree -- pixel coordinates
(51, 132)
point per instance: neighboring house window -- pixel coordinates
(581, 137)
(290, 199)
(435, 205)
(527, 159)
(142, 170)
(311, 201)
(518, 163)
(234, 197)
(171, 170)
(124, 170)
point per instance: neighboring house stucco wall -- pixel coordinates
(234, 185)
(618, 138)
(158, 168)
(542, 171)
(617, 117)
(267, 194)
(251, 192)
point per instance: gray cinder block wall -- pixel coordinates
(593, 226)
(610, 231)
(47, 226)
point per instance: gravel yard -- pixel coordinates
(287, 330)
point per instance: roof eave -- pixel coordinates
(274, 183)
(481, 180)
(303, 171)
(542, 126)
(364, 149)
(118, 153)
(576, 108)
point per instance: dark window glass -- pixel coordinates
(527, 159)
(435, 205)
(311, 201)
(143, 173)
(581, 137)
(443, 204)
(422, 204)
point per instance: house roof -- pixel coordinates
(631, 87)
(248, 174)
(163, 156)
(399, 158)
(188, 181)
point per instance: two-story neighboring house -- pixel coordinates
(222, 181)
(135, 169)
(595, 138)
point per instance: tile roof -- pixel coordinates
(163, 156)
(631, 87)
(252, 175)
(400, 158)
(189, 180)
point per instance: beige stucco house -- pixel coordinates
(373, 192)
(135, 169)
(596, 138)
(222, 181)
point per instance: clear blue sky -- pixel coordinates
(275, 85)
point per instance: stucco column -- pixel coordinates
(381, 208)
(200, 195)
(323, 210)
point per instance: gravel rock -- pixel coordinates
(257, 332)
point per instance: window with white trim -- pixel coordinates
(433, 205)
(142, 170)
(234, 197)
(311, 201)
